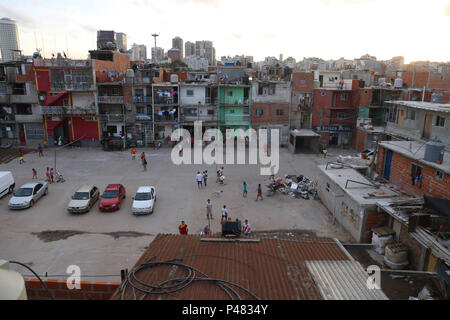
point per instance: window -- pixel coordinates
(24, 109)
(279, 112)
(410, 115)
(260, 90)
(271, 91)
(230, 93)
(190, 93)
(344, 97)
(341, 115)
(232, 111)
(440, 174)
(210, 112)
(259, 112)
(66, 103)
(416, 175)
(115, 91)
(323, 93)
(440, 121)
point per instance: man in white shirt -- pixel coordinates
(224, 214)
(199, 179)
(246, 228)
(209, 210)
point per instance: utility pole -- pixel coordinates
(155, 35)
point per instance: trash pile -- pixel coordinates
(294, 186)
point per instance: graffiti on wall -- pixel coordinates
(349, 214)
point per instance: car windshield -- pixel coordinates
(24, 192)
(143, 196)
(110, 194)
(81, 196)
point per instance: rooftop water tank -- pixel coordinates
(174, 78)
(398, 83)
(434, 151)
(436, 97)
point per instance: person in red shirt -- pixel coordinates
(34, 173)
(183, 228)
(133, 153)
(21, 157)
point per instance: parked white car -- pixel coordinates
(28, 195)
(7, 183)
(144, 201)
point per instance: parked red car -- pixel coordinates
(112, 197)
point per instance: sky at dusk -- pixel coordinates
(330, 29)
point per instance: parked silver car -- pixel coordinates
(28, 195)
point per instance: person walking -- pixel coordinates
(40, 152)
(224, 214)
(199, 179)
(245, 192)
(34, 173)
(218, 177)
(133, 153)
(144, 161)
(325, 151)
(205, 177)
(47, 174)
(52, 175)
(246, 228)
(21, 157)
(259, 193)
(183, 228)
(209, 210)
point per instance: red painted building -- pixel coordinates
(334, 114)
(66, 90)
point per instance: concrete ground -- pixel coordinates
(49, 239)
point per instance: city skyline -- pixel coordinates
(328, 29)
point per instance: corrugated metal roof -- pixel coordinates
(342, 280)
(272, 269)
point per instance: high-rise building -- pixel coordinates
(121, 39)
(205, 49)
(138, 52)
(189, 49)
(9, 39)
(177, 43)
(158, 53)
(104, 37)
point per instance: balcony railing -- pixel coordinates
(113, 117)
(61, 63)
(234, 102)
(235, 118)
(7, 118)
(68, 111)
(83, 86)
(196, 117)
(166, 118)
(143, 117)
(142, 99)
(110, 99)
(166, 100)
(209, 100)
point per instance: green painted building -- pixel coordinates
(234, 107)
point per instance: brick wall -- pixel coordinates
(89, 290)
(365, 97)
(120, 64)
(401, 176)
(380, 160)
(359, 140)
(414, 248)
(302, 82)
(269, 114)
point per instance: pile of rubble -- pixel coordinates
(294, 186)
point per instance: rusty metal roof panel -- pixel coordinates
(342, 280)
(272, 269)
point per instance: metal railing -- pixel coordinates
(166, 118)
(61, 63)
(53, 110)
(142, 99)
(190, 117)
(209, 100)
(113, 117)
(166, 101)
(83, 86)
(235, 118)
(110, 99)
(234, 102)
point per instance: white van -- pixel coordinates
(7, 183)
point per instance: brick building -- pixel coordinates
(399, 161)
(301, 100)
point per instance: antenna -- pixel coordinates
(155, 35)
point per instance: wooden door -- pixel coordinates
(427, 126)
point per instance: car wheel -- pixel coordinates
(31, 203)
(46, 192)
(118, 207)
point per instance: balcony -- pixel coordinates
(166, 101)
(166, 118)
(82, 86)
(234, 102)
(24, 118)
(211, 101)
(142, 99)
(198, 117)
(113, 117)
(3, 78)
(110, 99)
(230, 118)
(61, 63)
(143, 117)
(7, 118)
(61, 111)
